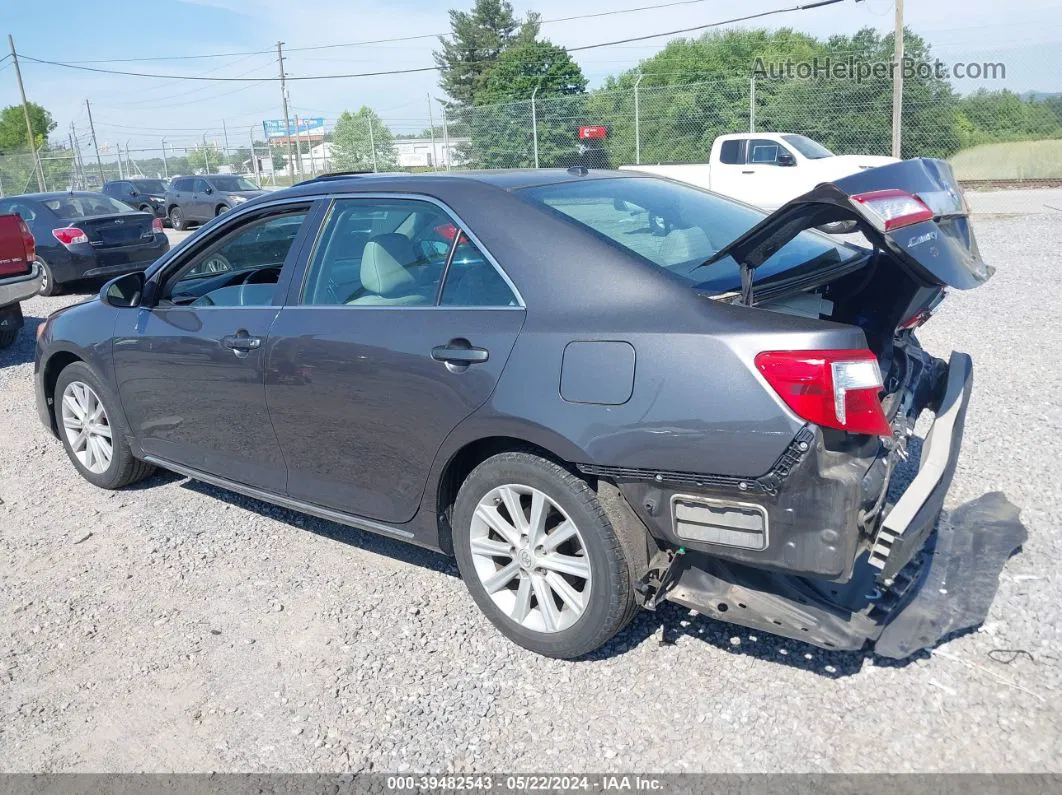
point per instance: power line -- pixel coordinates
(382, 73)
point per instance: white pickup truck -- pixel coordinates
(766, 169)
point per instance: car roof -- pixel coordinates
(506, 179)
(57, 194)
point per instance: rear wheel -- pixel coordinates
(146, 208)
(92, 431)
(177, 220)
(48, 284)
(8, 337)
(540, 557)
(220, 209)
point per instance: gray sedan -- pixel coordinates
(597, 390)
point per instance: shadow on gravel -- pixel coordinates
(21, 350)
(362, 539)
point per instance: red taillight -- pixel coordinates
(895, 208)
(446, 231)
(156, 224)
(28, 243)
(69, 235)
(832, 388)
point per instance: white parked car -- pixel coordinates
(766, 169)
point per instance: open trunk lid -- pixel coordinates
(939, 251)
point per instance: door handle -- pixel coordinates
(459, 354)
(748, 172)
(241, 342)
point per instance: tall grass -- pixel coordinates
(1017, 160)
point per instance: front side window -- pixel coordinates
(674, 226)
(182, 185)
(242, 269)
(154, 187)
(764, 152)
(201, 186)
(812, 150)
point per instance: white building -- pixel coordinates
(424, 153)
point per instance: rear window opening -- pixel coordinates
(85, 206)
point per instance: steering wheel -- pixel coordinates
(268, 275)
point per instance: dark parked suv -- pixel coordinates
(591, 409)
(146, 195)
(198, 199)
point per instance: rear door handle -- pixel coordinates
(748, 172)
(457, 354)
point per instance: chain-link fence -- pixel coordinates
(986, 135)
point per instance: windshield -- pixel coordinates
(84, 205)
(230, 183)
(676, 227)
(812, 150)
(155, 187)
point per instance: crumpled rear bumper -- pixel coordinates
(920, 581)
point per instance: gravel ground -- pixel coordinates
(176, 627)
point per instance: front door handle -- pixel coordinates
(748, 172)
(456, 353)
(241, 343)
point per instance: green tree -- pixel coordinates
(476, 40)
(501, 128)
(357, 136)
(204, 159)
(995, 116)
(13, 127)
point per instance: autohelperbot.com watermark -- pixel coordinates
(860, 70)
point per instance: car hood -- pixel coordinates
(247, 194)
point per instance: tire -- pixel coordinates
(8, 337)
(49, 286)
(79, 384)
(221, 208)
(605, 594)
(147, 209)
(177, 219)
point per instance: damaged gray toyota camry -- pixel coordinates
(597, 390)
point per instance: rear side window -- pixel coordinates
(395, 253)
(732, 152)
(200, 186)
(181, 184)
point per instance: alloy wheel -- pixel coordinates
(530, 558)
(87, 428)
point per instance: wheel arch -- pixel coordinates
(459, 462)
(55, 365)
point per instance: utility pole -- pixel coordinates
(446, 139)
(372, 144)
(637, 122)
(95, 143)
(431, 126)
(254, 159)
(165, 165)
(25, 112)
(73, 162)
(897, 84)
(206, 157)
(284, 99)
(121, 172)
(225, 130)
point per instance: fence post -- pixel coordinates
(752, 104)
(446, 138)
(431, 126)
(165, 165)
(637, 123)
(534, 124)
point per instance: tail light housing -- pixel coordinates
(156, 225)
(831, 388)
(69, 235)
(895, 208)
(28, 243)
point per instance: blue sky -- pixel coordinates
(1025, 34)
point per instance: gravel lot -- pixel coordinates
(176, 627)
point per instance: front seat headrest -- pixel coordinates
(384, 263)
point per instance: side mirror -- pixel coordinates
(786, 159)
(125, 291)
(209, 190)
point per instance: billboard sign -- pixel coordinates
(593, 132)
(308, 128)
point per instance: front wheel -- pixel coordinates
(92, 431)
(177, 220)
(220, 209)
(540, 557)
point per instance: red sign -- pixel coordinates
(593, 131)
